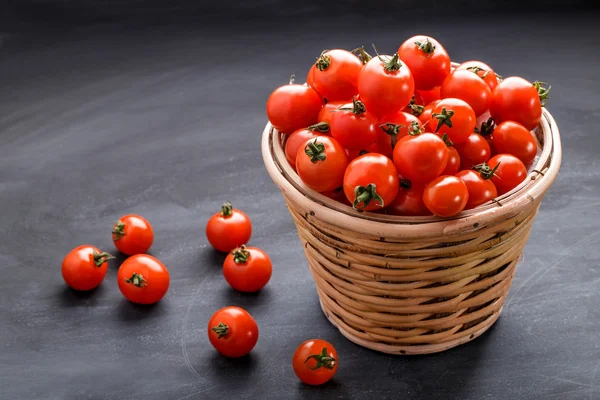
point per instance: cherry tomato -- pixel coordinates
(429, 96)
(483, 70)
(228, 229)
(315, 362)
(454, 117)
(446, 196)
(421, 158)
(143, 279)
(481, 190)
(247, 269)
(408, 201)
(453, 165)
(385, 85)
(474, 151)
(485, 127)
(232, 331)
(427, 60)
(518, 100)
(335, 74)
(327, 112)
(321, 163)
(84, 267)
(299, 137)
(292, 107)
(132, 234)
(513, 138)
(353, 126)
(425, 116)
(506, 172)
(467, 86)
(371, 182)
(394, 127)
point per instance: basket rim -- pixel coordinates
(528, 194)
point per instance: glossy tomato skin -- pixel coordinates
(84, 267)
(483, 70)
(354, 129)
(143, 279)
(446, 196)
(132, 234)
(315, 362)
(429, 96)
(429, 69)
(371, 169)
(247, 269)
(292, 107)
(463, 119)
(467, 86)
(328, 111)
(228, 229)
(233, 332)
(421, 158)
(295, 141)
(516, 99)
(425, 117)
(513, 138)
(324, 174)
(335, 74)
(480, 190)
(474, 151)
(510, 173)
(400, 118)
(408, 202)
(453, 164)
(385, 91)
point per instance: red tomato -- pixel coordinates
(485, 127)
(353, 126)
(232, 331)
(429, 96)
(299, 137)
(480, 190)
(516, 99)
(335, 74)
(467, 86)
(454, 117)
(247, 269)
(315, 362)
(474, 151)
(228, 229)
(132, 234)
(385, 85)
(395, 127)
(427, 60)
(513, 138)
(421, 158)
(506, 172)
(292, 107)
(338, 195)
(425, 117)
(446, 196)
(371, 182)
(408, 201)
(143, 279)
(483, 70)
(453, 165)
(84, 267)
(321, 163)
(327, 112)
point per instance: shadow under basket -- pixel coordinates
(414, 285)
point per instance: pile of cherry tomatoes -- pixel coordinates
(408, 134)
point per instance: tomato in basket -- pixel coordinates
(421, 157)
(446, 196)
(483, 70)
(427, 60)
(513, 138)
(353, 126)
(321, 163)
(506, 172)
(481, 189)
(293, 106)
(453, 117)
(474, 151)
(371, 182)
(335, 74)
(468, 86)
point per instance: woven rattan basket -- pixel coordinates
(414, 285)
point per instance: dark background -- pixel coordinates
(155, 107)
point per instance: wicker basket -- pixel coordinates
(414, 285)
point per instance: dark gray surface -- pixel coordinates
(166, 123)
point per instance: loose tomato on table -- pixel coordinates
(474, 151)
(446, 196)
(315, 362)
(408, 201)
(292, 107)
(84, 267)
(232, 331)
(247, 269)
(505, 171)
(353, 126)
(513, 138)
(299, 137)
(482, 70)
(143, 279)
(371, 182)
(481, 189)
(394, 127)
(427, 60)
(335, 74)
(228, 229)
(328, 110)
(321, 163)
(453, 117)
(467, 86)
(132, 234)
(421, 157)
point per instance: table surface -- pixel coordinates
(166, 122)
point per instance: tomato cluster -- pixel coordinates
(408, 133)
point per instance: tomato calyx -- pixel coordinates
(415, 109)
(101, 258)
(226, 210)
(426, 46)
(323, 360)
(362, 54)
(221, 330)
(292, 79)
(358, 107)
(477, 69)
(119, 230)
(364, 195)
(444, 118)
(392, 63)
(137, 280)
(415, 129)
(487, 127)
(240, 255)
(447, 140)
(405, 184)
(543, 90)
(321, 127)
(316, 151)
(485, 171)
(393, 130)
(323, 61)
